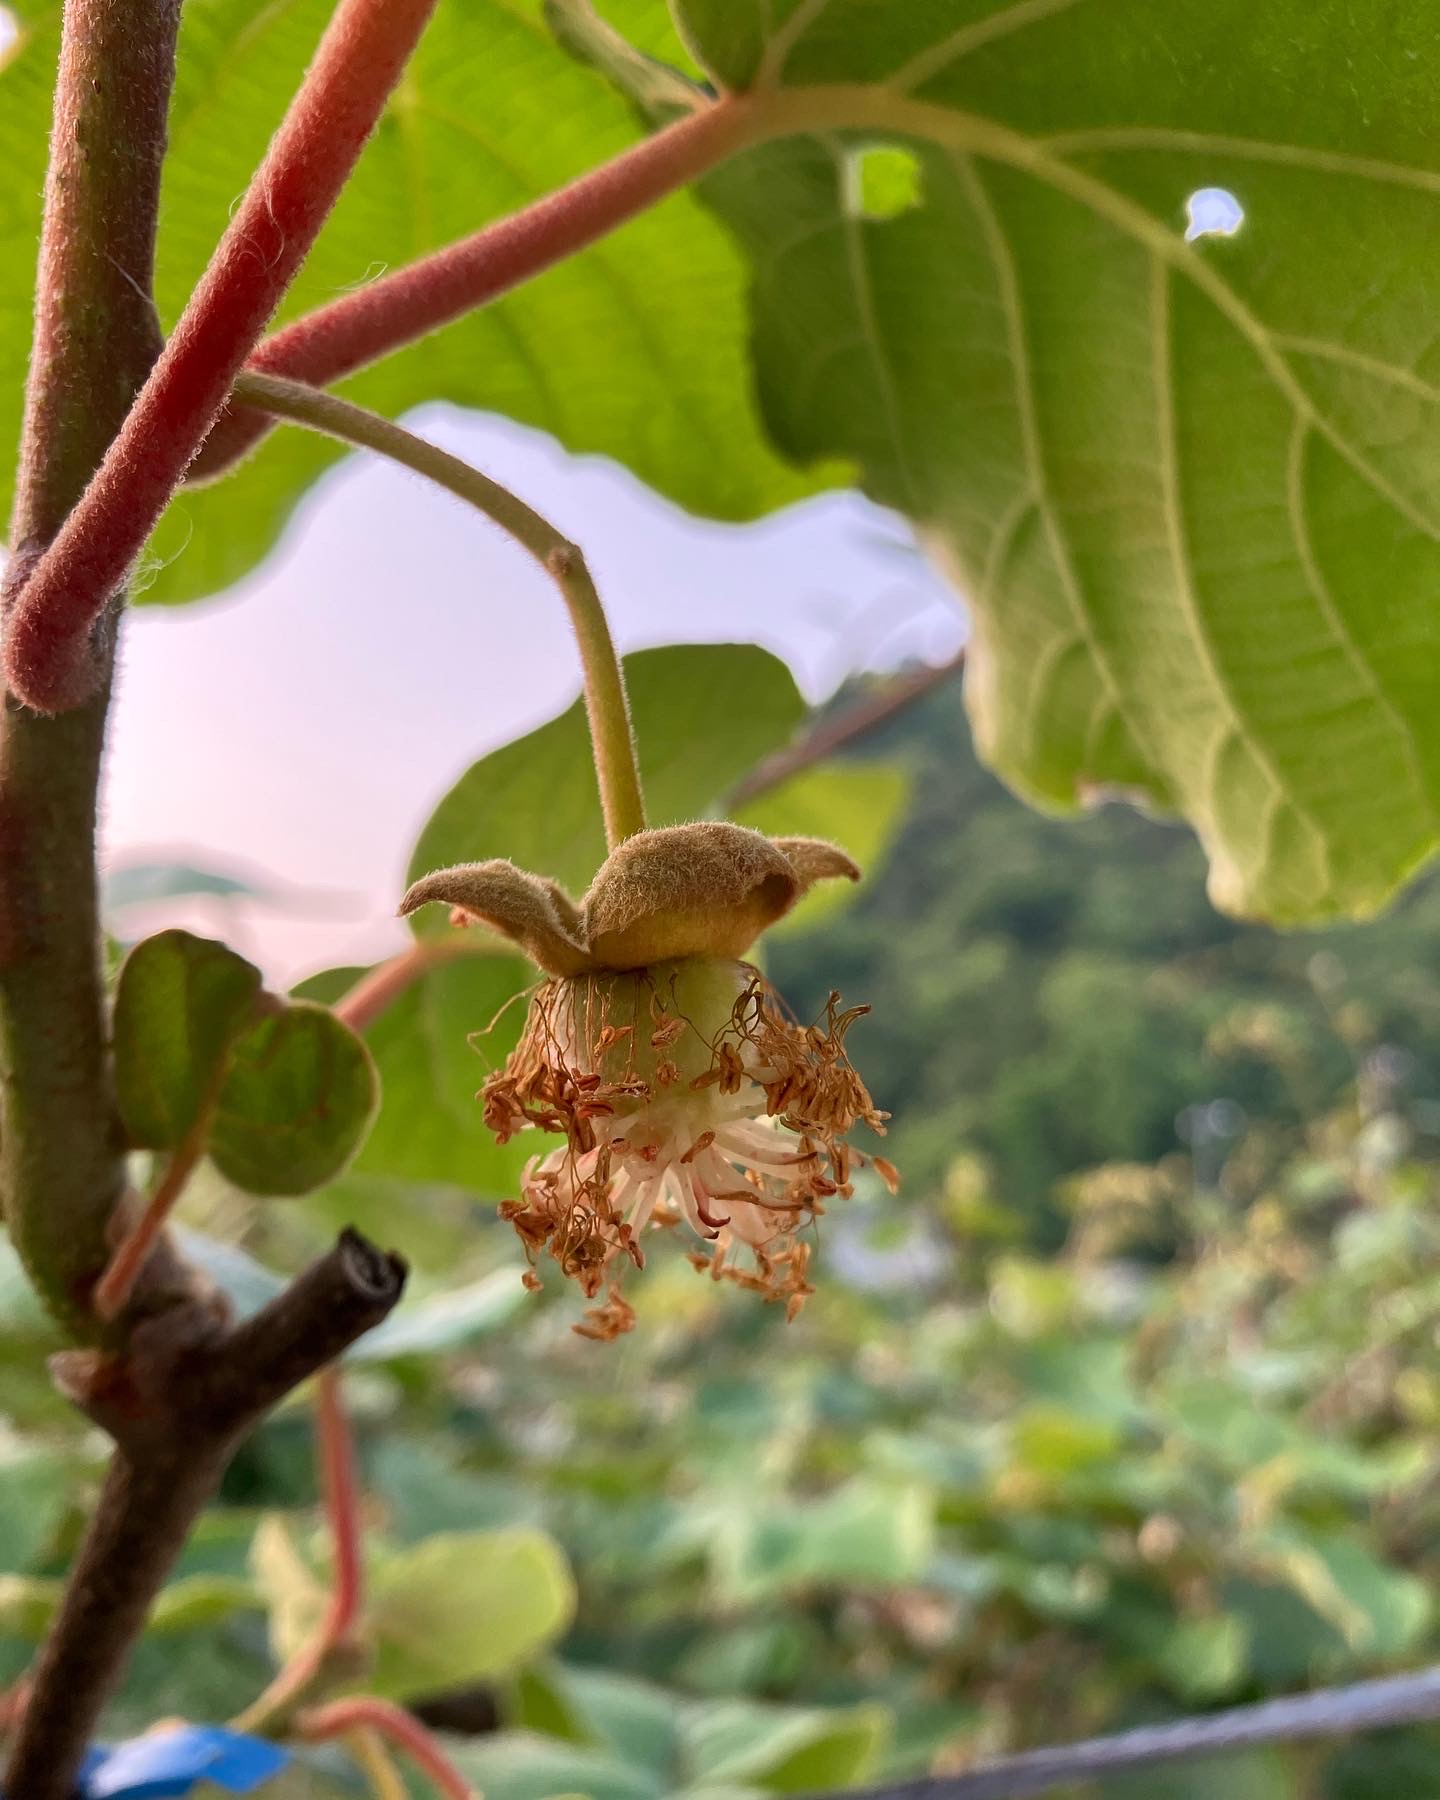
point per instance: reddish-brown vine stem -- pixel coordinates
(396, 1726)
(367, 324)
(50, 663)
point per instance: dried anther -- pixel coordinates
(684, 1093)
(735, 1130)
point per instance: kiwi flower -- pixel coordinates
(685, 1093)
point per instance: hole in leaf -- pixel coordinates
(9, 29)
(1213, 212)
(884, 181)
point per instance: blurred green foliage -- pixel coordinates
(1126, 1408)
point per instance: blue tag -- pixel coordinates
(173, 1762)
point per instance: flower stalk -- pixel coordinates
(361, 327)
(606, 706)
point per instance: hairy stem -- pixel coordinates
(606, 705)
(360, 327)
(396, 1726)
(96, 337)
(51, 660)
(189, 1390)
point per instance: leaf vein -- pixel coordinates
(1007, 278)
(1365, 670)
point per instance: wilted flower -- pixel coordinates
(685, 1092)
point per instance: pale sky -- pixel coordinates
(302, 725)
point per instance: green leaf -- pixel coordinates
(491, 114)
(1054, 1441)
(1187, 487)
(181, 1002)
(704, 715)
(36, 1484)
(305, 1777)
(862, 1533)
(513, 1765)
(284, 1093)
(1203, 1658)
(433, 1048)
(1379, 1610)
(783, 1750)
(446, 1321)
(465, 1606)
(299, 1096)
(292, 1592)
(196, 1602)
(24, 1321)
(1249, 1775)
(27, 1605)
(641, 1723)
(858, 805)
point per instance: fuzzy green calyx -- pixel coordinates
(705, 890)
(649, 1027)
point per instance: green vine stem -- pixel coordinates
(62, 1170)
(606, 705)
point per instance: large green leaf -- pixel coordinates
(704, 715)
(492, 113)
(1188, 487)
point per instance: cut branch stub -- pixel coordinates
(684, 890)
